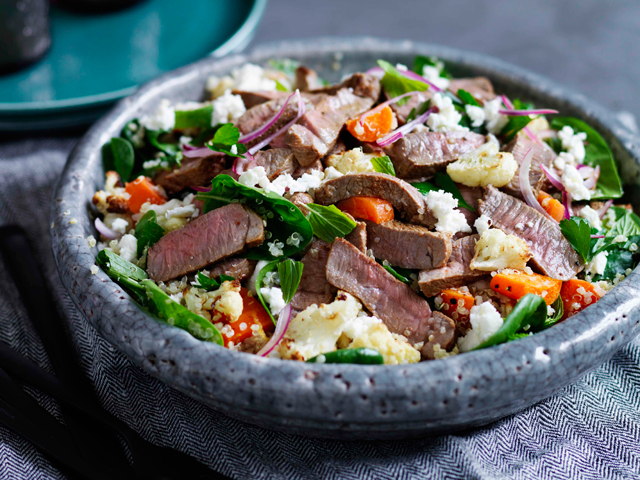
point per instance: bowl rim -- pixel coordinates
(555, 346)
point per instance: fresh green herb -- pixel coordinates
(290, 273)
(529, 313)
(108, 161)
(402, 274)
(578, 233)
(280, 87)
(286, 225)
(225, 138)
(285, 65)
(418, 111)
(122, 272)
(207, 283)
(445, 183)
(167, 148)
(366, 356)
(558, 308)
(329, 222)
(618, 261)
(421, 61)
(226, 278)
(197, 118)
(123, 157)
(383, 165)
(395, 84)
(628, 225)
(596, 153)
(171, 312)
(148, 232)
(514, 125)
(467, 98)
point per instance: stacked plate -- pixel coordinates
(97, 59)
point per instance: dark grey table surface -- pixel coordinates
(591, 45)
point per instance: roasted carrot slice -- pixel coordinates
(577, 295)
(552, 206)
(374, 126)
(456, 304)
(142, 190)
(368, 208)
(515, 284)
(253, 313)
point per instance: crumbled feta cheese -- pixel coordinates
(120, 225)
(249, 77)
(574, 184)
(234, 149)
(573, 143)
(273, 296)
(226, 108)
(184, 140)
(330, 173)
(447, 118)
(126, 247)
(591, 216)
(173, 214)
(550, 311)
(484, 166)
(485, 321)
(164, 117)
(94, 269)
(482, 224)
(352, 161)
(564, 159)
(597, 264)
(496, 250)
(444, 208)
(283, 183)
(254, 176)
(476, 114)
(495, 121)
(91, 241)
(432, 73)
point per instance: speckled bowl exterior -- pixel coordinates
(343, 401)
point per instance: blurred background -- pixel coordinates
(96, 58)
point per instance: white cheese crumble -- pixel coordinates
(591, 216)
(573, 143)
(126, 247)
(597, 264)
(485, 165)
(351, 161)
(173, 214)
(564, 159)
(574, 184)
(485, 321)
(164, 117)
(482, 224)
(476, 114)
(447, 118)
(273, 296)
(283, 183)
(432, 73)
(331, 173)
(120, 225)
(227, 108)
(249, 77)
(444, 208)
(495, 121)
(496, 250)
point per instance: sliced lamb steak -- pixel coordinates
(317, 131)
(307, 79)
(358, 236)
(238, 268)
(362, 84)
(251, 99)
(415, 101)
(456, 272)
(421, 154)
(552, 254)
(317, 165)
(276, 161)
(542, 154)
(471, 195)
(196, 172)
(405, 198)
(402, 310)
(408, 246)
(480, 87)
(314, 287)
(218, 234)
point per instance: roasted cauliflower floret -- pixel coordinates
(394, 348)
(484, 166)
(495, 250)
(352, 161)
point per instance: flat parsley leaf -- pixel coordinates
(396, 84)
(148, 232)
(383, 165)
(225, 138)
(578, 232)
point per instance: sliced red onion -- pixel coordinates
(202, 189)
(376, 72)
(605, 208)
(284, 319)
(256, 133)
(553, 178)
(507, 103)
(597, 236)
(525, 185)
(187, 147)
(241, 165)
(384, 104)
(105, 231)
(420, 78)
(200, 153)
(522, 113)
(302, 109)
(592, 179)
(406, 128)
(566, 201)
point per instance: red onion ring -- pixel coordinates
(553, 178)
(597, 236)
(202, 189)
(406, 128)
(384, 104)
(256, 133)
(302, 109)
(284, 319)
(376, 72)
(241, 165)
(566, 201)
(105, 231)
(507, 103)
(525, 185)
(605, 208)
(522, 113)
(420, 78)
(592, 179)
(202, 152)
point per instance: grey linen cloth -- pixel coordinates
(590, 430)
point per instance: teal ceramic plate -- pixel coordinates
(97, 59)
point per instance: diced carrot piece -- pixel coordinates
(515, 284)
(368, 208)
(576, 295)
(456, 304)
(253, 313)
(374, 126)
(142, 190)
(552, 206)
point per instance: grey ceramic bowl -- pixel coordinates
(342, 401)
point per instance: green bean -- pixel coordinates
(350, 355)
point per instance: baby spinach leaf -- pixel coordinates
(167, 148)
(597, 152)
(513, 126)
(329, 222)
(197, 118)
(395, 84)
(444, 182)
(123, 157)
(383, 165)
(123, 272)
(531, 310)
(108, 162)
(168, 311)
(578, 233)
(467, 98)
(148, 232)
(283, 218)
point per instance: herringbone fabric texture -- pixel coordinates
(590, 430)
